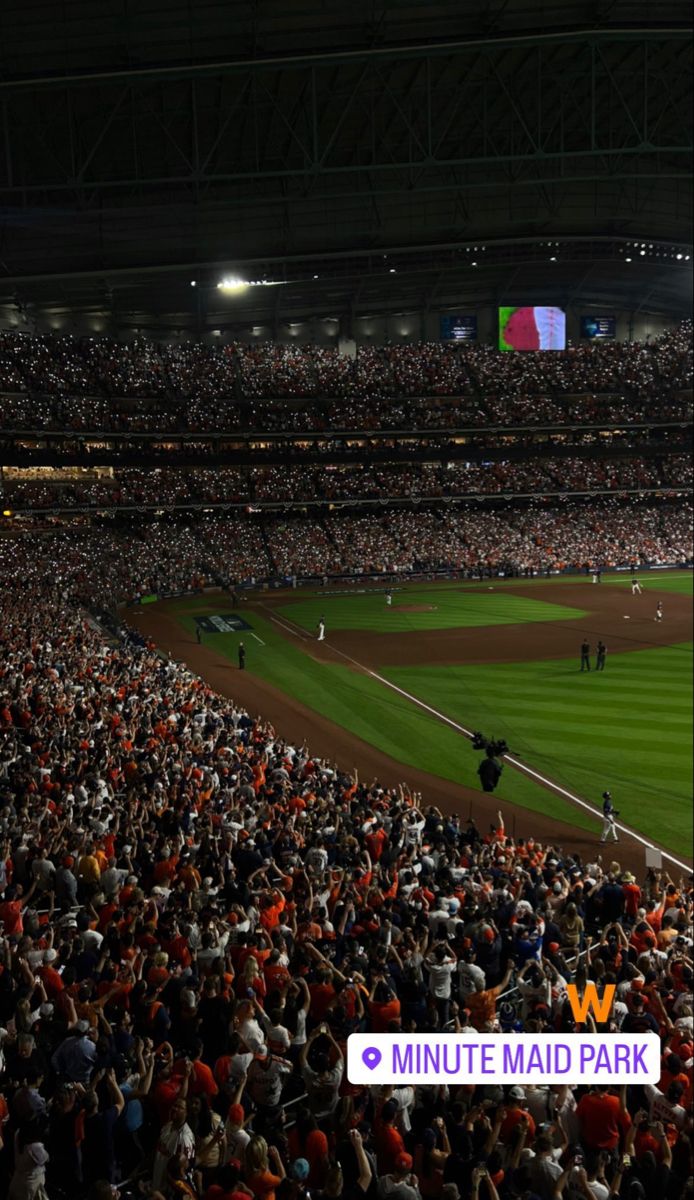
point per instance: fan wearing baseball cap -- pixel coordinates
(235, 1135)
(516, 1114)
(401, 1182)
(389, 1143)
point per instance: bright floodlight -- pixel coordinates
(232, 283)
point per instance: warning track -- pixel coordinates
(508, 643)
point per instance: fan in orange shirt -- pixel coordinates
(271, 908)
(258, 1176)
(189, 876)
(601, 1119)
(389, 1142)
(384, 1007)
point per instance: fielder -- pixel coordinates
(321, 630)
(609, 812)
(659, 612)
(389, 598)
(636, 588)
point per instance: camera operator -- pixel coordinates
(489, 770)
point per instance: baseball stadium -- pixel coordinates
(346, 551)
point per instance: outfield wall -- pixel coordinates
(403, 577)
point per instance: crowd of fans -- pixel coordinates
(57, 382)
(196, 914)
(44, 489)
(108, 562)
(523, 540)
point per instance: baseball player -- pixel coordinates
(321, 630)
(609, 812)
(585, 656)
(636, 588)
(600, 657)
(389, 598)
(659, 612)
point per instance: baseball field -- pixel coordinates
(394, 689)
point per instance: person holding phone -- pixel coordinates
(323, 1075)
(481, 1176)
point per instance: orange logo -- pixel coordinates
(591, 1002)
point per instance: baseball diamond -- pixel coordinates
(517, 679)
(346, 587)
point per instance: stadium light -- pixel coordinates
(232, 283)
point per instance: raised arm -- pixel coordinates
(363, 1165)
(114, 1093)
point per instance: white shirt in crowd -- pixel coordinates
(440, 978)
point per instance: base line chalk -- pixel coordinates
(549, 783)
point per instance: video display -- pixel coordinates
(532, 329)
(459, 329)
(602, 328)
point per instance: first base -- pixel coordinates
(626, 618)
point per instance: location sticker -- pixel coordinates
(371, 1057)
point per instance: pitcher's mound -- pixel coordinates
(415, 607)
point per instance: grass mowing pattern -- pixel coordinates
(683, 581)
(628, 728)
(453, 609)
(372, 712)
(655, 582)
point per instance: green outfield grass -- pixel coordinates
(628, 729)
(669, 581)
(454, 609)
(664, 581)
(373, 712)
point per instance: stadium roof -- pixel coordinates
(148, 145)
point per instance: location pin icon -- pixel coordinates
(371, 1057)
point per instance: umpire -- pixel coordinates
(585, 655)
(242, 657)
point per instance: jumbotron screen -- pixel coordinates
(532, 329)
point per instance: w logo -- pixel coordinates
(591, 1002)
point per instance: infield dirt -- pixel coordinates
(604, 606)
(605, 609)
